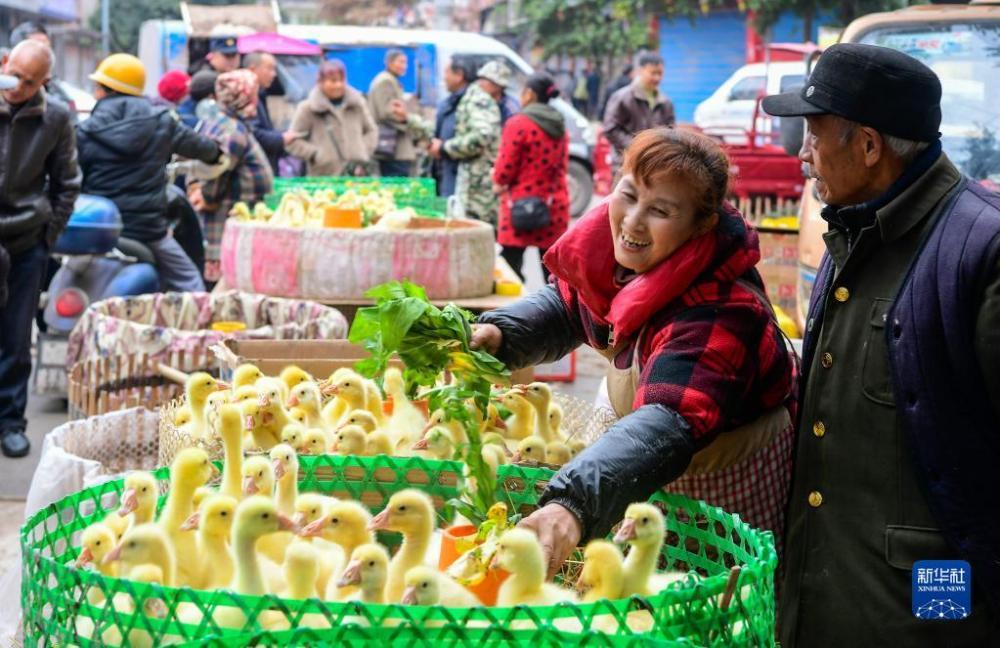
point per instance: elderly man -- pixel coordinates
(639, 105)
(897, 450)
(398, 131)
(475, 143)
(223, 56)
(272, 140)
(38, 186)
(124, 150)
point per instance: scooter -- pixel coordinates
(97, 263)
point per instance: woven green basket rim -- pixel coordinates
(691, 590)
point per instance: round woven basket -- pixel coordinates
(715, 605)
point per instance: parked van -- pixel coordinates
(961, 43)
(729, 111)
(164, 45)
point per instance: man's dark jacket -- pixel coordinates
(444, 130)
(124, 150)
(39, 176)
(270, 139)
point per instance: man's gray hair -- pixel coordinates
(253, 59)
(34, 48)
(905, 149)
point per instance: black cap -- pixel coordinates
(875, 86)
(223, 45)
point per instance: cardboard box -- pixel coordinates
(319, 357)
(779, 266)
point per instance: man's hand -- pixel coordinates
(398, 110)
(434, 150)
(559, 532)
(290, 136)
(486, 337)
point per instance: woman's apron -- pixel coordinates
(745, 470)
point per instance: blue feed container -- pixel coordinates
(93, 227)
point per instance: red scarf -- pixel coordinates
(584, 258)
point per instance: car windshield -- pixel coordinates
(966, 57)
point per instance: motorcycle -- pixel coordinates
(96, 263)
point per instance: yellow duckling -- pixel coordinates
(603, 577)
(96, 542)
(576, 446)
(457, 430)
(214, 522)
(368, 570)
(285, 464)
(190, 470)
(374, 402)
(256, 518)
(265, 419)
(557, 453)
(644, 529)
(314, 442)
(246, 375)
(230, 429)
(293, 435)
(437, 443)
(603, 573)
(407, 420)
(361, 418)
(198, 388)
(410, 512)
(344, 522)
(293, 375)
(556, 415)
(182, 417)
(298, 415)
(272, 389)
(495, 438)
(212, 405)
(540, 396)
(245, 394)
(335, 410)
(521, 423)
(353, 390)
(302, 567)
(139, 499)
(145, 544)
(153, 608)
(530, 450)
(306, 396)
(425, 586)
(520, 553)
(258, 476)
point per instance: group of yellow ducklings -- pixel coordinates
(258, 535)
(346, 414)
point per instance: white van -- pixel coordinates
(163, 46)
(728, 112)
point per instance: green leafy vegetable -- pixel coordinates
(431, 341)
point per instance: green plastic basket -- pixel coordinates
(418, 193)
(700, 538)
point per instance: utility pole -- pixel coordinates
(105, 27)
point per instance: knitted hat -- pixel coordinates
(202, 84)
(173, 86)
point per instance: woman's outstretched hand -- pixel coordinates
(559, 532)
(486, 337)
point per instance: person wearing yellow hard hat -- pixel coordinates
(124, 149)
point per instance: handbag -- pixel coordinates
(530, 214)
(387, 138)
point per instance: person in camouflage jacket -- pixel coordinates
(477, 137)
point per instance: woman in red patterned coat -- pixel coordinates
(531, 168)
(660, 279)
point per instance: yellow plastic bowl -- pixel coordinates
(228, 327)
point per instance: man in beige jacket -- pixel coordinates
(399, 131)
(336, 129)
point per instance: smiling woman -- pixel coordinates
(660, 279)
